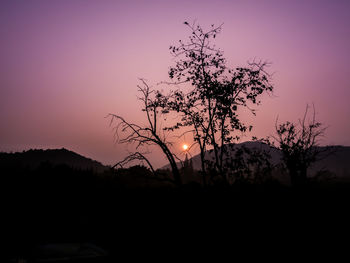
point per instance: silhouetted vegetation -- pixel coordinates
(299, 144)
(209, 110)
(207, 103)
(218, 93)
(150, 134)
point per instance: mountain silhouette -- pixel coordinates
(32, 159)
(335, 161)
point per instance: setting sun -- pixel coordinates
(185, 147)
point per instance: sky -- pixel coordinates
(65, 65)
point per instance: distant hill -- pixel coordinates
(33, 158)
(337, 161)
(275, 154)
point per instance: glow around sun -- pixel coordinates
(185, 147)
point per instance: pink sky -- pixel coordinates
(66, 64)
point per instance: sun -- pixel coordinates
(185, 147)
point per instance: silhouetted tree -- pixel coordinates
(216, 96)
(150, 134)
(242, 164)
(299, 143)
(187, 167)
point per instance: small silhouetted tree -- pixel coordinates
(149, 134)
(210, 108)
(299, 144)
(136, 156)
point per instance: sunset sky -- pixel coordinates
(64, 65)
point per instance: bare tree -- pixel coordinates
(299, 143)
(151, 134)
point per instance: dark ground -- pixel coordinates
(48, 206)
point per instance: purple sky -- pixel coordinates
(64, 65)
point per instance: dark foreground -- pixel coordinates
(114, 222)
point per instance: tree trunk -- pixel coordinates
(203, 168)
(173, 165)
